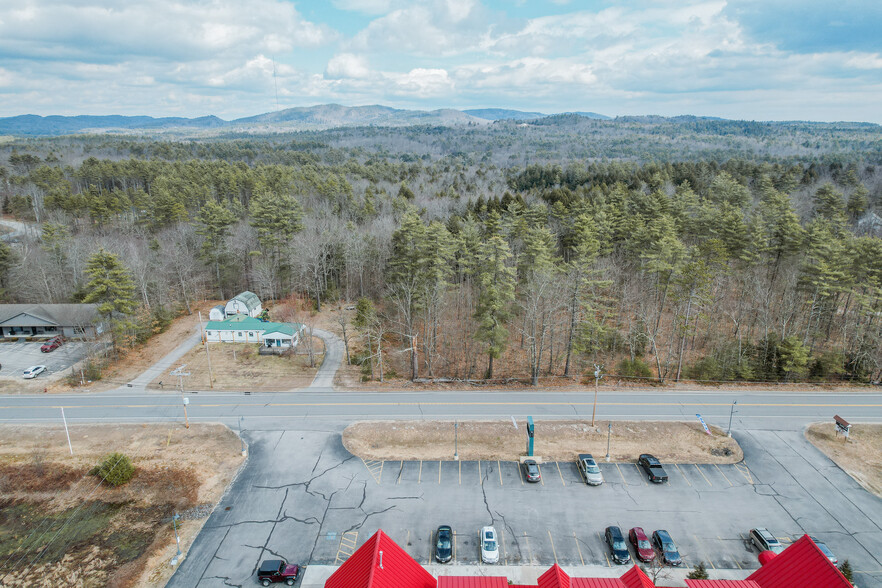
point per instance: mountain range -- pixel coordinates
(319, 117)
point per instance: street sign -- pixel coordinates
(703, 424)
(842, 426)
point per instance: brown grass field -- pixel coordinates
(860, 457)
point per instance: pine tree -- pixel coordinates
(497, 291)
(699, 572)
(215, 222)
(111, 287)
(845, 568)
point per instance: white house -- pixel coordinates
(246, 303)
(218, 313)
(244, 329)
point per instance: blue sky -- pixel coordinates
(748, 59)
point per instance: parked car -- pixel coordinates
(642, 546)
(666, 548)
(618, 549)
(52, 344)
(653, 468)
(590, 470)
(764, 540)
(33, 371)
(489, 545)
(825, 550)
(277, 570)
(444, 544)
(531, 471)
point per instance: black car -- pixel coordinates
(531, 471)
(444, 544)
(277, 570)
(617, 546)
(666, 547)
(653, 468)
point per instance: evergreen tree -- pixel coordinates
(699, 572)
(794, 357)
(845, 568)
(214, 225)
(497, 291)
(111, 287)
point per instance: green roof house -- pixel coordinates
(241, 328)
(246, 303)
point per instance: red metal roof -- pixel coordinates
(802, 564)
(473, 582)
(555, 577)
(722, 584)
(362, 569)
(636, 578)
(598, 583)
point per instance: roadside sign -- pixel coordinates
(703, 424)
(842, 426)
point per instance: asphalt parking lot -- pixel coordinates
(16, 357)
(304, 498)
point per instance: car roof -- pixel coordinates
(586, 456)
(663, 535)
(766, 534)
(639, 531)
(614, 530)
(270, 565)
(486, 530)
(444, 528)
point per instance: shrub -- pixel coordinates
(635, 368)
(845, 568)
(698, 573)
(706, 368)
(827, 365)
(116, 469)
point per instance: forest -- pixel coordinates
(663, 249)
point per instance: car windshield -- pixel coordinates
(619, 545)
(670, 546)
(488, 546)
(443, 542)
(643, 544)
(593, 469)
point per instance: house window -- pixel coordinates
(79, 330)
(250, 334)
(208, 333)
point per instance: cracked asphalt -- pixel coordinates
(301, 493)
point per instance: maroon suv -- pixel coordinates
(277, 570)
(51, 345)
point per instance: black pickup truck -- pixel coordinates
(277, 570)
(653, 468)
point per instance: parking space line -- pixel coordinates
(348, 541)
(622, 475)
(682, 474)
(724, 475)
(553, 550)
(641, 474)
(698, 542)
(744, 471)
(602, 541)
(439, 471)
(460, 473)
(560, 473)
(499, 471)
(454, 546)
(529, 547)
(400, 469)
(576, 539)
(520, 473)
(420, 477)
(375, 468)
(702, 474)
(504, 550)
(541, 477)
(480, 477)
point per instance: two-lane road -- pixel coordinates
(754, 410)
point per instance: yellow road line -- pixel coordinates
(541, 477)
(374, 468)
(724, 475)
(499, 471)
(682, 474)
(576, 539)
(622, 475)
(641, 475)
(520, 473)
(744, 471)
(348, 541)
(553, 550)
(702, 474)
(420, 477)
(561, 473)
(454, 546)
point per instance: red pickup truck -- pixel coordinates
(277, 570)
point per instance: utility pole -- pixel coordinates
(207, 351)
(731, 414)
(597, 376)
(180, 373)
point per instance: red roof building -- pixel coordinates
(381, 563)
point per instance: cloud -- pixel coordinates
(347, 65)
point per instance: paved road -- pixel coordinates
(756, 410)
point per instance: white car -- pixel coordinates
(489, 545)
(33, 371)
(589, 469)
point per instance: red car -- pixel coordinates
(52, 344)
(641, 544)
(277, 570)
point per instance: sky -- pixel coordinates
(740, 59)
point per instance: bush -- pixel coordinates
(706, 368)
(845, 568)
(698, 573)
(827, 365)
(116, 469)
(634, 368)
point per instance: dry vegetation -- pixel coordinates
(555, 440)
(59, 526)
(860, 457)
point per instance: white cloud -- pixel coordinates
(347, 65)
(423, 83)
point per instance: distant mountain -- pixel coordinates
(503, 114)
(592, 115)
(31, 124)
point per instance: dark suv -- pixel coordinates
(653, 468)
(277, 570)
(617, 546)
